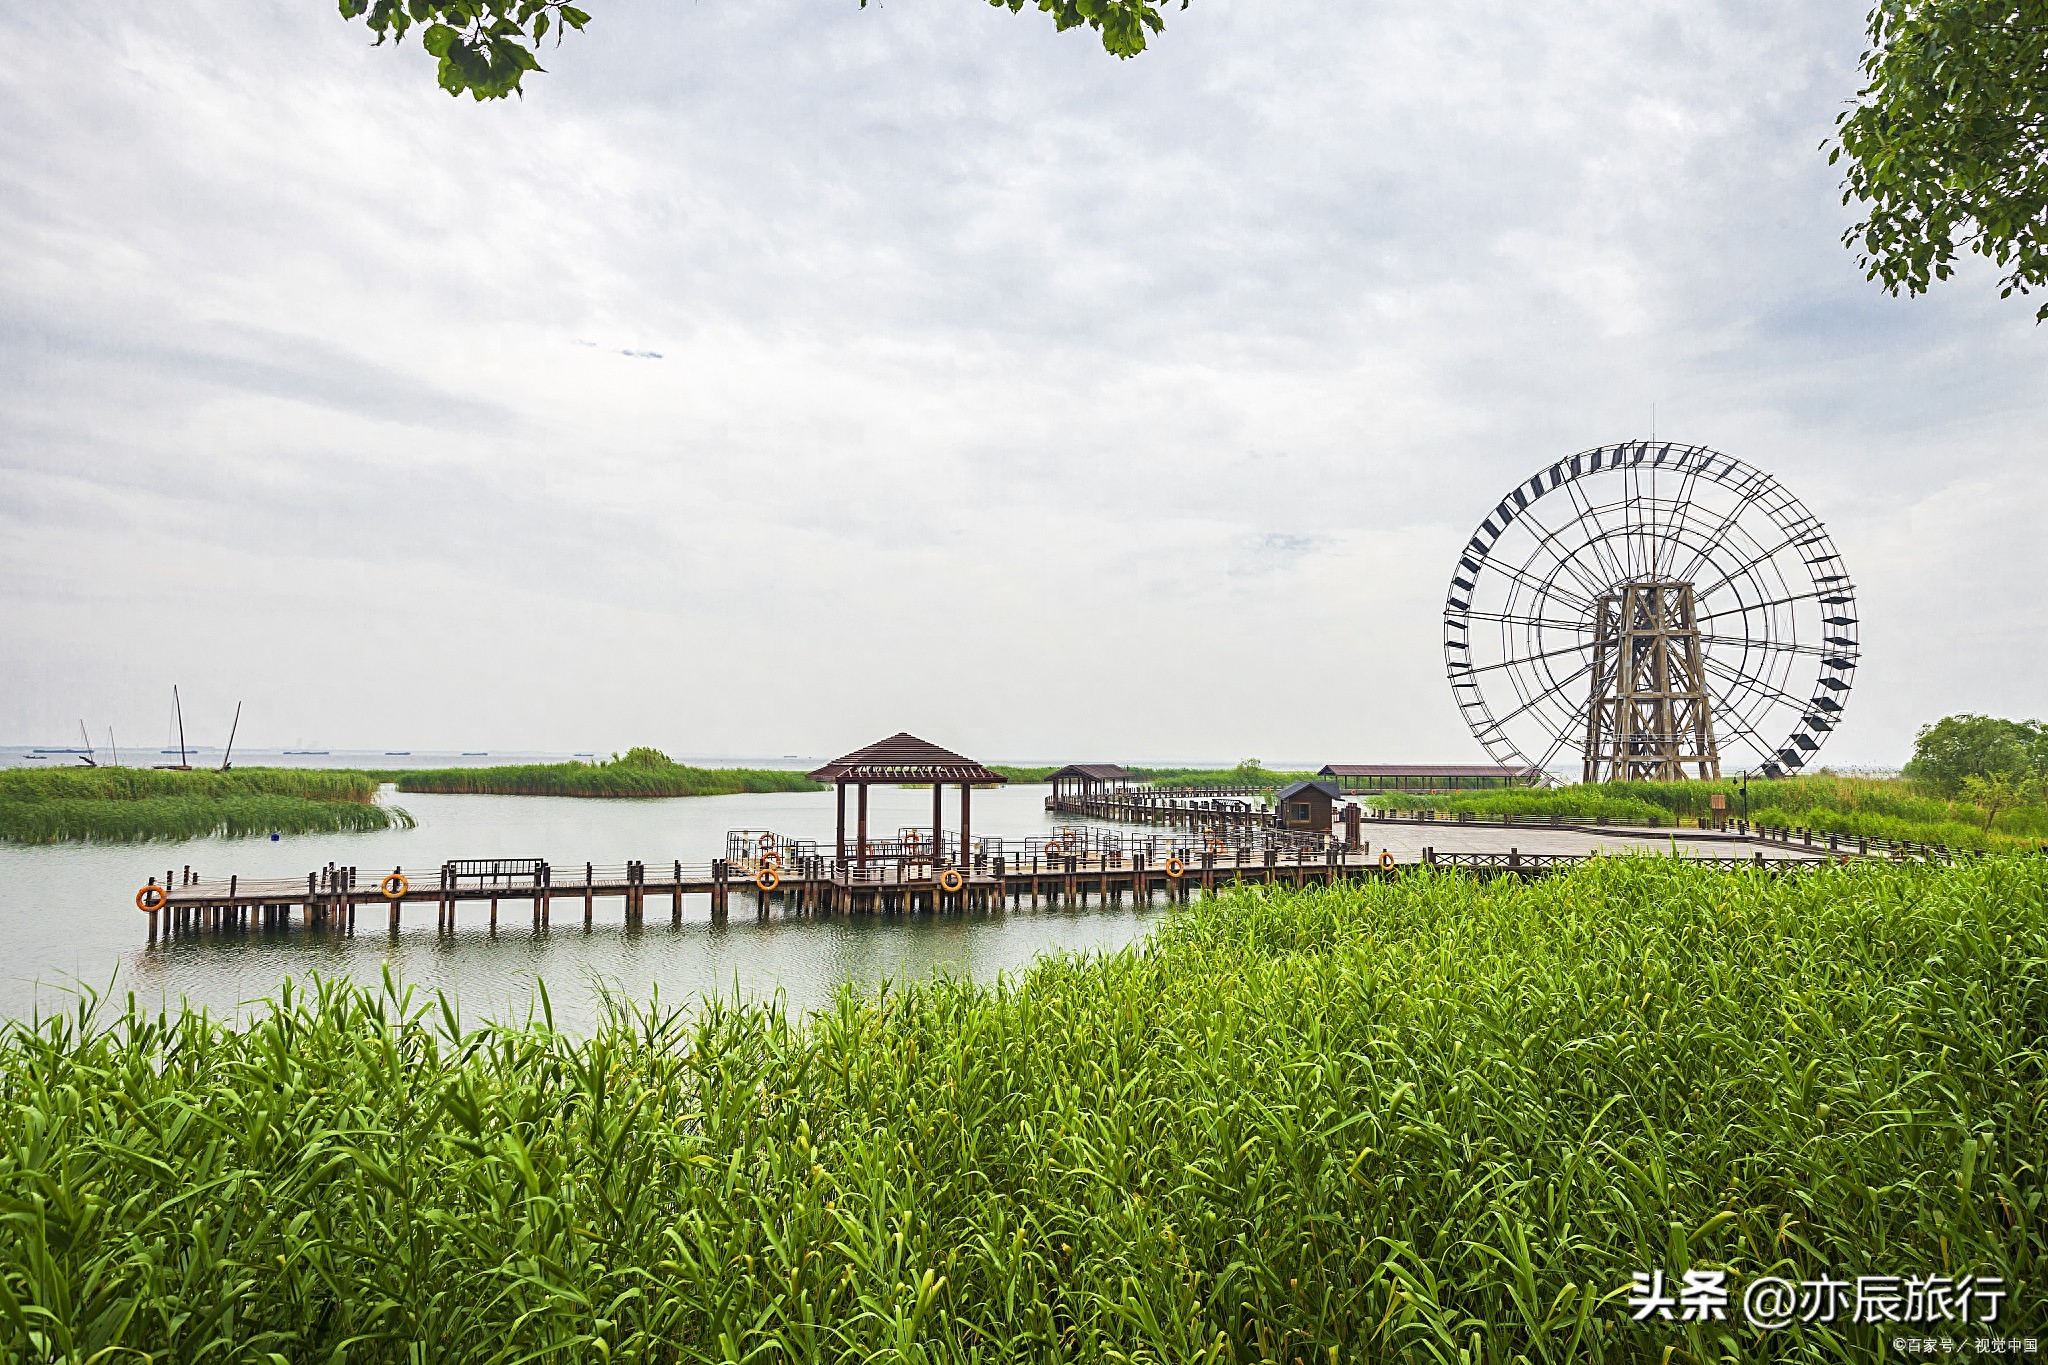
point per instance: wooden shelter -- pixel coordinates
(1306, 806)
(1354, 778)
(1090, 780)
(905, 760)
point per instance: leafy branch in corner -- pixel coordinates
(486, 47)
(1947, 143)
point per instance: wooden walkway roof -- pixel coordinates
(1425, 770)
(1094, 772)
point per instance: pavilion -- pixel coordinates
(1356, 779)
(1092, 780)
(905, 760)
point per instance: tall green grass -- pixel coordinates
(640, 772)
(1890, 808)
(1427, 1121)
(122, 805)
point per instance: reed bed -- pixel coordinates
(1879, 807)
(1428, 1121)
(126, 805)
(640, 772)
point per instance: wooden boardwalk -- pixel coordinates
(1073, 868)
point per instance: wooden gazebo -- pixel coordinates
(1092, 779)
(905, 760)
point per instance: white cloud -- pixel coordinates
(1046, 404)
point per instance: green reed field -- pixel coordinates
(638, 772)
(54, 805)
(1891, 808)
(1424, 1121)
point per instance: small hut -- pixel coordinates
(1306, 806)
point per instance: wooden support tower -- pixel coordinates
(1648, 718)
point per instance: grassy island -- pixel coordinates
(1880, 807)
(1427, 1121)
(55, 805)
(638, 772)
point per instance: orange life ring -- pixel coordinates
(1214, 844)
(771, 860)
(765, 841)
(768, 879)
(1386, 861)
(911, 840)
(950, 880)
(1068, 839)
(152, 898)
(1174, 867)
(394, 886)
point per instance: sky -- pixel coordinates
(776, 376)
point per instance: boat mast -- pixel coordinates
(226, 759)
(87, 757)
(178, 708)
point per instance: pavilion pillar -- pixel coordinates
(861, 855)
(966, 828)
(938, 824)
(840, 788)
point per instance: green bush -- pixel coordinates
(1429, 1120)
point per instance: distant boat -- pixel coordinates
(298, 752)
(398, 753)
(476, 753)
(583, 755)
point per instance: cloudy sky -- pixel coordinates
(779, 374)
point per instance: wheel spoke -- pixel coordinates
(1579, 648)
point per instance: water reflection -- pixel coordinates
(66, 912)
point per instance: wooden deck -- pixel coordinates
(1072, 869)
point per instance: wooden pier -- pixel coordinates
(1211, 840)
(1071, 869)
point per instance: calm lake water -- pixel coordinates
(67, 912)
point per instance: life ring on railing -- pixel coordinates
(1174, 867)
(766, 841)
(768, 879)
(951, 881)
(1386, 861)
(910, 840)
(394, 886)
(1068, 839)
(152, 898)
(771, 860)
(1214, 844)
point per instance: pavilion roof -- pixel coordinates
(903, 757)
(1095, 772)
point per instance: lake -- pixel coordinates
(67, 911)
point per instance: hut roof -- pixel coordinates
(903, 757)
(1096, 772)
(1295, 788)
